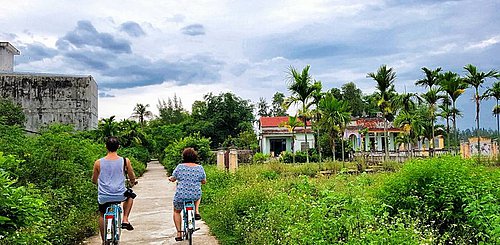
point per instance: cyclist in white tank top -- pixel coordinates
(109, 175)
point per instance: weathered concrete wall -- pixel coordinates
(50, 99)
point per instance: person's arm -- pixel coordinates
(203, 177)
(172, 178)
(97, 169)
(130, 173)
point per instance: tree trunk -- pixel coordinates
(333, 149)
(448, 130)
(293, 147)
(432, 141)
(343, 150)
(455, 133)
(319, 146)
(477, 125)
(386, 143)
(498, 136)
(305, 132)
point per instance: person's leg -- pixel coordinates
(101, 225)
(197, 206)
(177, 221)
(127, 207)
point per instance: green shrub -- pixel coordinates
(173, 153)
(450, 195)
(260, 157)
(140, 153)
(300, 157)
(22, 210)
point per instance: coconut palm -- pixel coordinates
(446, 113)
(406, 101)
(300, 84)
(432, 98)
(108, 127)
(431, 77)
(475, 79)
(385, 78)
(453, 86)
(494, 92)
(334, 117)
(407, 121)
(141, 112)
(317, 95)
(291, 124)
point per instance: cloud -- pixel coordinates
(88, 60)
(35, 52)
(132, 29)
(193, 30)
(85, 35)
(105, 95)
(178, 18)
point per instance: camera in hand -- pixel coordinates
(129, 193)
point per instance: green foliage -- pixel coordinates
(300, 157)
(450, 195)
(22, 209)
(140, 153)
(173, 153)
(260, 157)
(11, 114)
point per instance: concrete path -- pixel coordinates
(152, 213)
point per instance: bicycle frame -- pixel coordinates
(189, 221)
(112, 224)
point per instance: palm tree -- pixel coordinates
(108, 126)
(385, 78)
(431, 77)
(301, 86)
(475, 79)
(454, 86)
(141, 112)
(291, 124)
(494, 92)
(432, 98)
(407, 121)
(334, 116)
(446, 113)
(317, 95)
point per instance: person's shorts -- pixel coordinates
(179, 205)
(104, 206)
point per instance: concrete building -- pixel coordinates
(49, 98)
(274, 139)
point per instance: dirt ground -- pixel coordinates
(152, 213)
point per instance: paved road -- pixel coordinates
(152, 213)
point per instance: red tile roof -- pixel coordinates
(275, 121)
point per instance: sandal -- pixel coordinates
(197, 216)
(127, 226)
(178, 239)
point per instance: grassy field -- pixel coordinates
(432, 201)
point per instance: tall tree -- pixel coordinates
(263, 108)
(141, 112)
(446, 113)
(277, 109)
(317, 95)
(475, 79)
(431, 77)
(334, 116)
(291, 124)
(432, 98)
(494, 92)
(385, 78)
(355, 97)
(108, 127)
(223, 115)
(172, 111)
(300, 84)
(453, 86)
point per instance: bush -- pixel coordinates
(260, 157)
(300, 157)
(22, 209)
(173, 153)
(461, 202)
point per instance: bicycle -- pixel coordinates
(189, 221)
(112, 224)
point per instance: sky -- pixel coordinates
(146, 51)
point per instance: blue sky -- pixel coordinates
(143, 51)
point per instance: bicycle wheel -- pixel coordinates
(190, 236)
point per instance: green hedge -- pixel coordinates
(173, 152)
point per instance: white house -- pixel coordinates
(274, 139)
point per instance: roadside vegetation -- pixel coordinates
(443, 200)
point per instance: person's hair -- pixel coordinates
(112, 143)
(189, 155)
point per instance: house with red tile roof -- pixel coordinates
(275, 138)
